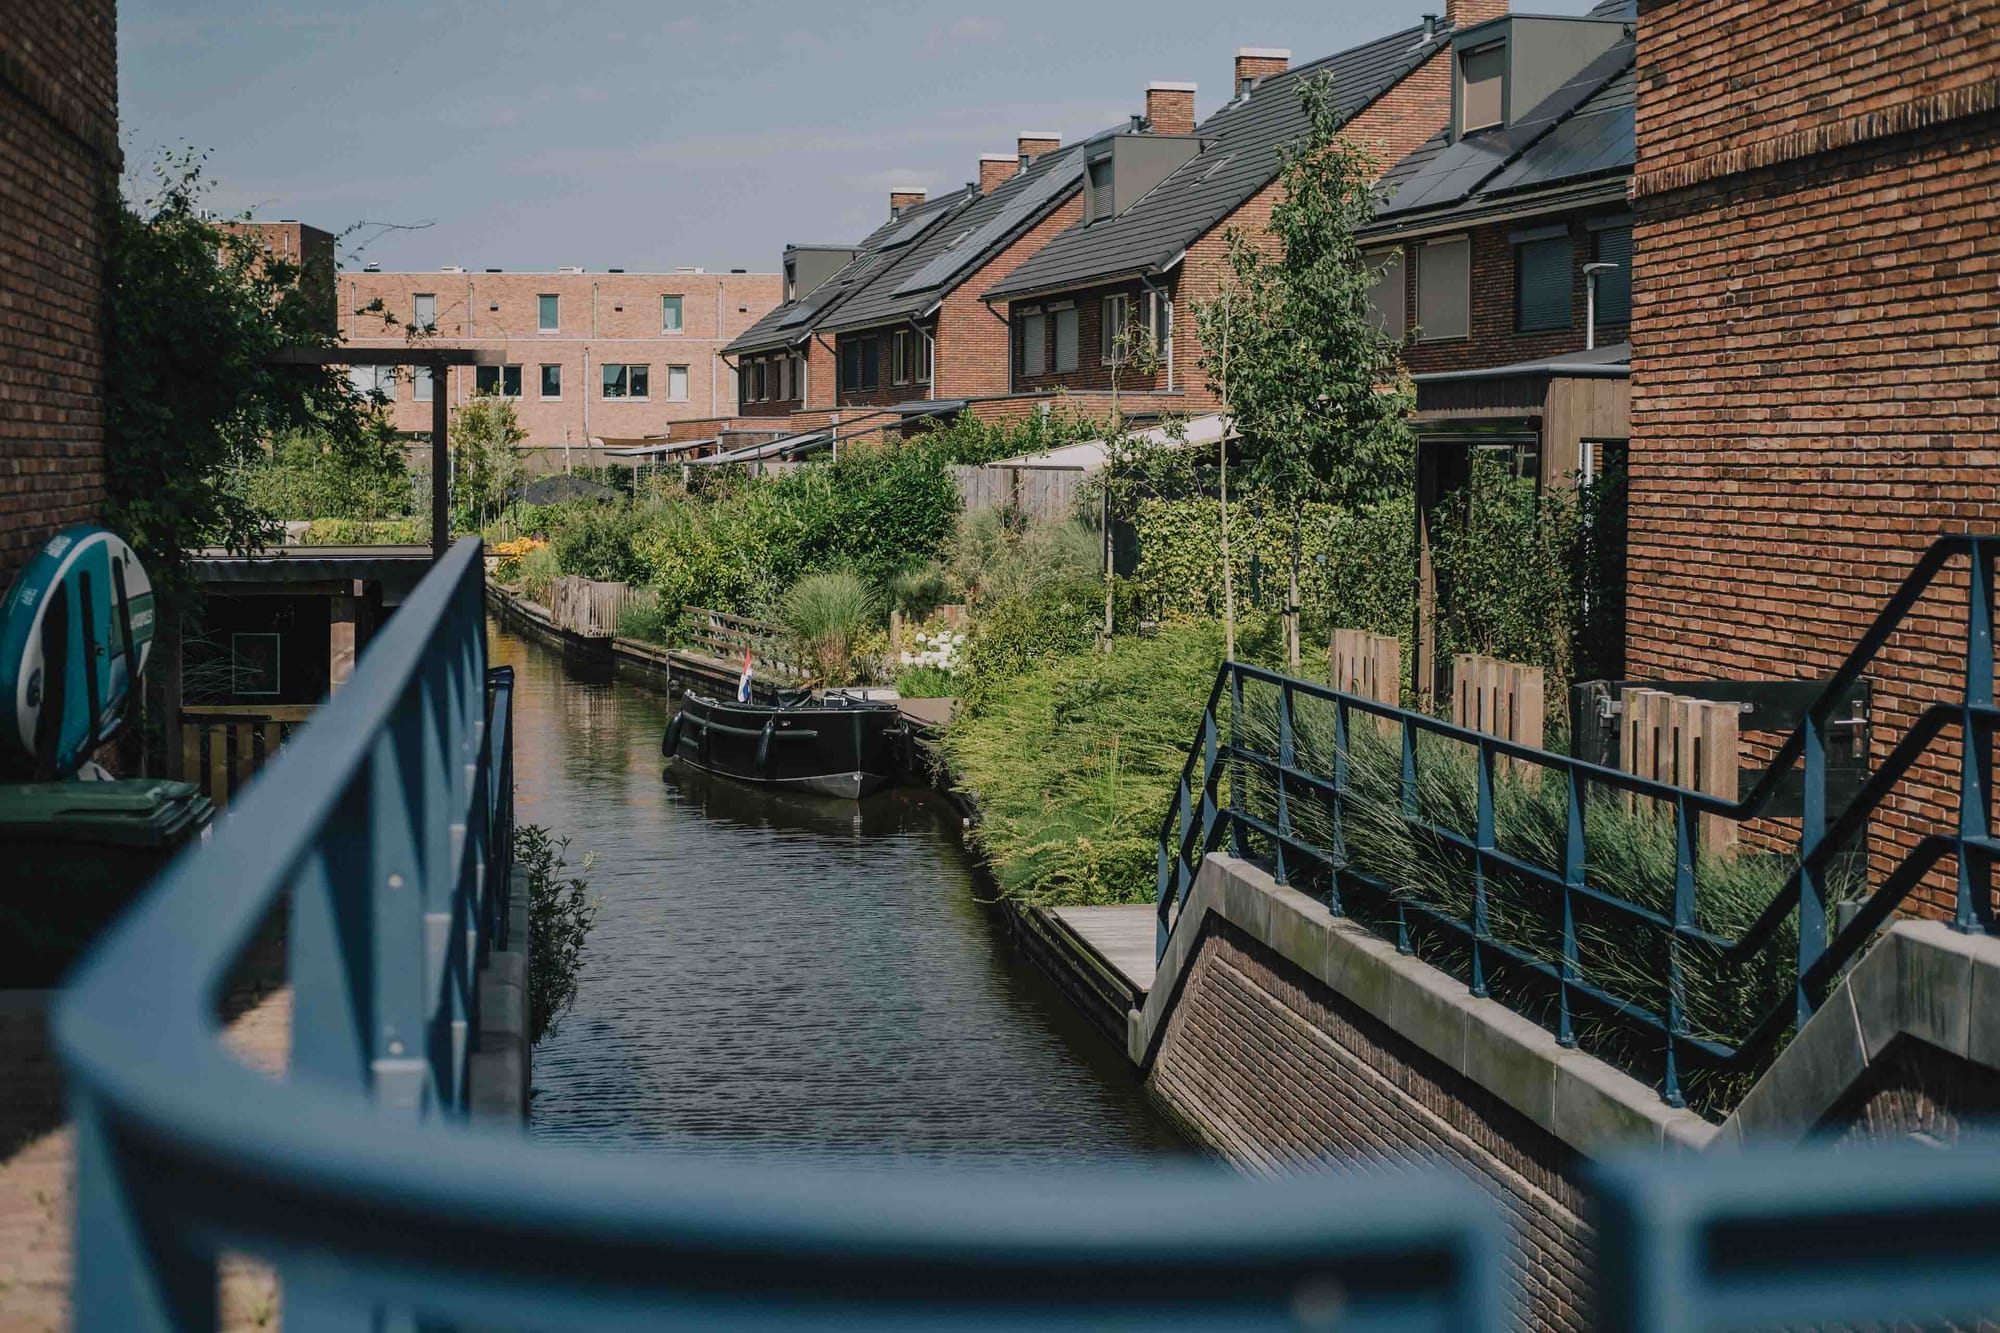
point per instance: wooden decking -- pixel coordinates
(1121, 937)
(37, 1169)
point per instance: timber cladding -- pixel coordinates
(59, 161)
(1815, 390)
(1279, 1074)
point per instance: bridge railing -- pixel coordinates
(1259, 781)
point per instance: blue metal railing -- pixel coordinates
(1199, 820)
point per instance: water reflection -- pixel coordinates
(789, 973)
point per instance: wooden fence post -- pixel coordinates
(1500, 698)
(1368, 665)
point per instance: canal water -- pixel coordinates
(791, 974)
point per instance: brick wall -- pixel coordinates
(1280, 1074)
(773, 364)
(973, 351)
(604, 318)
(1494, 340)
(59, 159)
(1815, 394)
(309, 250)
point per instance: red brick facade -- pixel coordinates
(1816, 394)
(308, 249)
(59, 161)
(1495, 339)
(1392, 127)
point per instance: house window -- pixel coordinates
(1062, 325)
(551, 382)
(424, 311)
(903, 360)
(625, 380)
(546, 312)
(1103, 201)
(1482, 97)
(860, 364)
(421, 383)
(677, 384)
(670, 314)
(1613, 245)
(923, 358)
(1387, 296)
(1160, 322)
(497, 381)
(1444, 290)
(1541, 279)
(1030, 343)
(376, 382)
(1113, 336)
(759, 375)
(791, 281)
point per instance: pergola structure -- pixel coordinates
(436, 359)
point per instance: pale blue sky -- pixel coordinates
(537, 133)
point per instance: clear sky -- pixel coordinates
(530, 134)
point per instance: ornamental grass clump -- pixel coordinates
(1629, 854)
(827, 613)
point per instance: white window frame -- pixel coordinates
(627, 396)
(1033, 317)
(542, 382)
(1110, 326)
(423, 384)
(416, 311)
(500, 380)
(1063, 314)
(899, 353)
(540, 325)
(682, 396)
(679, 308)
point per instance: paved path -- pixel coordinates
(1121, 936)
(35, 1169)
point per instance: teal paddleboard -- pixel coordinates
(76, 629)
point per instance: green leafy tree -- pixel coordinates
(1311, 380)
(195, 315)
(485, 438)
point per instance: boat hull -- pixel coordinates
(844, 751)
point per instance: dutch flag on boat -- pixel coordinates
(743, 684)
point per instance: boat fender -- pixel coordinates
(672, 743)
(764, 748)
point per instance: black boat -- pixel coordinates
(833, 744)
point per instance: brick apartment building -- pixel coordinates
(611, 357)
(59, 160)
(1152, 242)
(1816, 389)
(1504, 248)
(306, 248)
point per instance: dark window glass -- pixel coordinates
(614, 381)
(871, 363)
(1614, 287)
(640, 378)
(1102, 199)
(551, 381)
(1542, 284)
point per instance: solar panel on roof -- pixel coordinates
(966, 252)
(911, 228)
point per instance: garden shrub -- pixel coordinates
(827, 613)
(366, 532)
(595, 542)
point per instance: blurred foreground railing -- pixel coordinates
(1292, 772)
(385, 825)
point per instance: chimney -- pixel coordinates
(1259, 62)
(1033, 143)
(902, 199)
(1465, 13)
(996, 169)
(1170, 108)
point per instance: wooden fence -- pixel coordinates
(586, 607)
(1500, 698)
(1692, 743)
(222, 746)
(725, 637)
(1043, 493)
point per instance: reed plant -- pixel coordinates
(1630, 854)
(827, 613)
(537, 572)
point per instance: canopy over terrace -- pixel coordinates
(1089, 456)
(436, 359)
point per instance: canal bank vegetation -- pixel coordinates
(561, 912)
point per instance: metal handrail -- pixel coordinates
(387, 824)
(1191, 828)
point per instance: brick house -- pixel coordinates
(1152, 245)
(308, 249)
(1504, 248)
(1816, 392)
(59, 162)
(611, 356)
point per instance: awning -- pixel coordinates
(790, 446)
(1612, 362)
(1091, 455)
(661, 450)
(397, 569)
